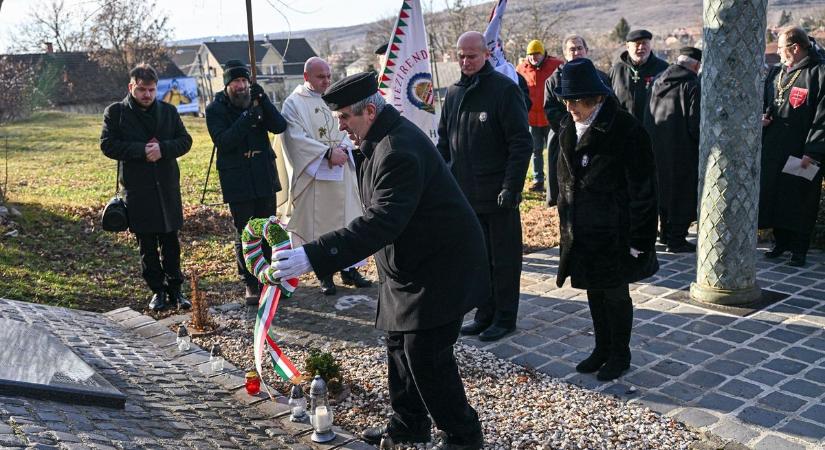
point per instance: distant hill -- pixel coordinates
(587, 17)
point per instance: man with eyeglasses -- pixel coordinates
(633, 74)
(793, 140)
(573, 47)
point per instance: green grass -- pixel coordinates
(59, 180)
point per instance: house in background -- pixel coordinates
(279, 63)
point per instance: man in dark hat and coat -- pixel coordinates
(633, 74)
(484, 136)
(239, 121)
(607, 211)
(673, 124)
(432, 264)
(793, 138)
(147, 137)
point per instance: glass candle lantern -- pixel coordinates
(298, 404)
(216, 360)
(253, 382)
(183, 340)
(320, 411)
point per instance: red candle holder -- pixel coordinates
(253, 382)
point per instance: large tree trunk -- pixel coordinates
(734, 34)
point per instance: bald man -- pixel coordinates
(323, 192)
(484, 137)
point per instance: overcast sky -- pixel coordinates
(200, 18)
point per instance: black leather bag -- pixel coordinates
(115, 217)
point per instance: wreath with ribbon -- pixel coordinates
(253, 236)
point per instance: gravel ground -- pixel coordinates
(519, 408)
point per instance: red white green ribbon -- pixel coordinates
(253, 236)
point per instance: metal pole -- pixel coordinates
(729, 158)
(252, 60)
(434, 68)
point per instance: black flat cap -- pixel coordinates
(636, 35)
(382, 49)
(350, 90)
(692, 52)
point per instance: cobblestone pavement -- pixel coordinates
(170, 403)
(757, 380)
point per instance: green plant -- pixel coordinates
(322, 363)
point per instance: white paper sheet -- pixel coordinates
(793, 167)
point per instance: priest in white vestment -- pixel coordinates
(323, 188)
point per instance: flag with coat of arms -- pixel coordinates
(405, 80)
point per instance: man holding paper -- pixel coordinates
(793, 143)
(323, 191)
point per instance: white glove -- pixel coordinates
(290, 263)
(634, 253)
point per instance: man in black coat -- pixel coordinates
(146, 137)
(672, 121)
(432, 266)
(484, 136)
(793, 127)
(573, 47)
(607, 211)
(633, 74)
(239, 121)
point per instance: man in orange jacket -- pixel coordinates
(536, 69)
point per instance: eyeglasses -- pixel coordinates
(572, 101)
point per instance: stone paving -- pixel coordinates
(757, 380)
(171, 404)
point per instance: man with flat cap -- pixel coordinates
(432, 264)
(633, 74)
(672, 122)
(239, 121)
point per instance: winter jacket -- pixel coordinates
(536, 76)
(631, 83)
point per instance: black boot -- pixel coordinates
(775, 252)
(620, 318)
(601, 330)
(373, 435)
(351, 277)
(176, 296)
(327, 286)
(496, 331)
(473, 327)
(797, 259)
(159, 301)
(252, 294)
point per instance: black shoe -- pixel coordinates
(252, 295)
(352, 277)
(613, 368)
(797, 260)
(682, 247)
(775, 252)
(327, 286)
(593, 362)
(373, 435)
(495, 332)
(473, 327)
(176, 296)
(474, 443)
(158, 302)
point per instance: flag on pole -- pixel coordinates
(497, 58)
(405, 80)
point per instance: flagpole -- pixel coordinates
(434, 68)
(254, 70)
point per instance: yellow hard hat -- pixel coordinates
(535, 46)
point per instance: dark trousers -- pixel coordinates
(612, 313)
(672, 233)
(539, 135)
(792, 240)
(262, 207)
(423, 378)
(552, 173)
(502, 235)
(160, 260)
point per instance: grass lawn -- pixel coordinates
(59, 180)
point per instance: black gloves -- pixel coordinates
(508, 199)
(256, 92)
(254, 114)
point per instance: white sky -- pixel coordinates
(200, 18)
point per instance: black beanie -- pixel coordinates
(234, 69)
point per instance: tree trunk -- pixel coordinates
(734, 34)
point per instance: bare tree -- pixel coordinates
(446, 26)
(17, 81)
(526, 24)
(125, 33)
(54, 22)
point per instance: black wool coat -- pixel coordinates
(632, 84)
(797, 129)
(246, 162)
(607, 201)
(151, 189)
(484, 137)
(427, 242)
(672, 122)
